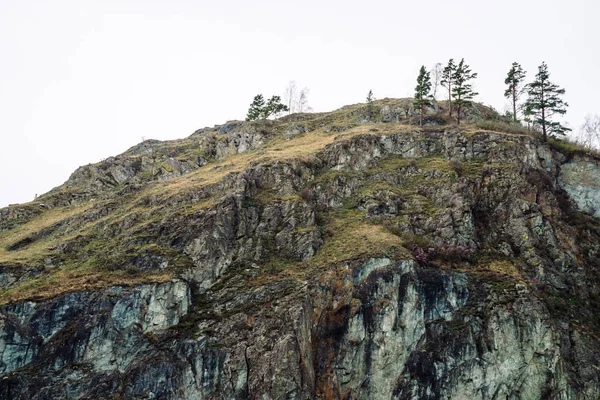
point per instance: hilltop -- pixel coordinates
(107, 205)
(318, 255)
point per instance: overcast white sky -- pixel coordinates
(82, 80)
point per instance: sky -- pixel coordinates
(82, 80)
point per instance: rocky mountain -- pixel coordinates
(316, 256)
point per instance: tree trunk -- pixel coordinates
(514, 96)
(458, 108)
(450, 98)
(544, 125)
(543, 107)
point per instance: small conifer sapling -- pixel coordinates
(370, 106)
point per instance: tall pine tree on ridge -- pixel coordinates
(515, 77)
(462, 91)
(544, 101)
(447, 81)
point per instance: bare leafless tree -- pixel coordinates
(295, 100)
(589, 132)
(436, 77)
(302, 102)
(289, 97)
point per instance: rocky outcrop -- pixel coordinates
(581, 179)
(383, 263)
(153, 160)
(417, 333)
(244, 233)
(102, 332)
(390, 331)
(16, 214)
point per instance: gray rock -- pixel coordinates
(501, 303)
(581, 179)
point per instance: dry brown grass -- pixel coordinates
(500, 267)
(278, 149)
(351, 239)
(68, 280)
(501, 127)
(356, 241)
(39, 247)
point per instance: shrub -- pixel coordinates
(445, 253)
(307, 195)
(249, 202)
(454, 253)
(457, 167)
(420, 254)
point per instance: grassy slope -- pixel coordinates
(348, 234)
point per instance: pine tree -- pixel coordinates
(462, 91)
(256, 108)
(422, 96)
(370, 107)
(447, 81)
(259, 109)
(274, 107)
(544, 102)
(515, 77)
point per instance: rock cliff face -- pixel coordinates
(319, 256)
